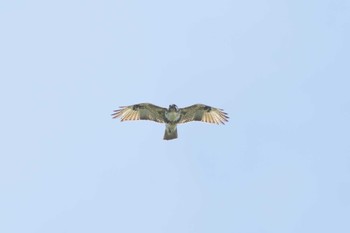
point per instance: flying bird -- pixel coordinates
(171, 116)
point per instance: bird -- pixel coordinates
(171, 116)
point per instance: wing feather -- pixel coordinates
(142, 111)
(205, 113)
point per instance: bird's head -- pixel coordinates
(173, 107)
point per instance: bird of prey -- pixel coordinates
(171, 116)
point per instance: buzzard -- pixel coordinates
(171, 116)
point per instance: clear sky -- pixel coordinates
(280, 69)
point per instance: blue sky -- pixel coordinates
(280, 69)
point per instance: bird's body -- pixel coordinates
(171, 116)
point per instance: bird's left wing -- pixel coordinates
(143, 111)
(205, 113)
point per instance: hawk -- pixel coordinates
(171, 116)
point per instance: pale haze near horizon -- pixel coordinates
(280, 69)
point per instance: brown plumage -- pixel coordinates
(144, 111)
(171, 116)
(201, 112)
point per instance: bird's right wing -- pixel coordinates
(143, 111)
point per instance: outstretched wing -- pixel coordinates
(201, 112)
(143, 111)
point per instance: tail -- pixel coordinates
(170, 132)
